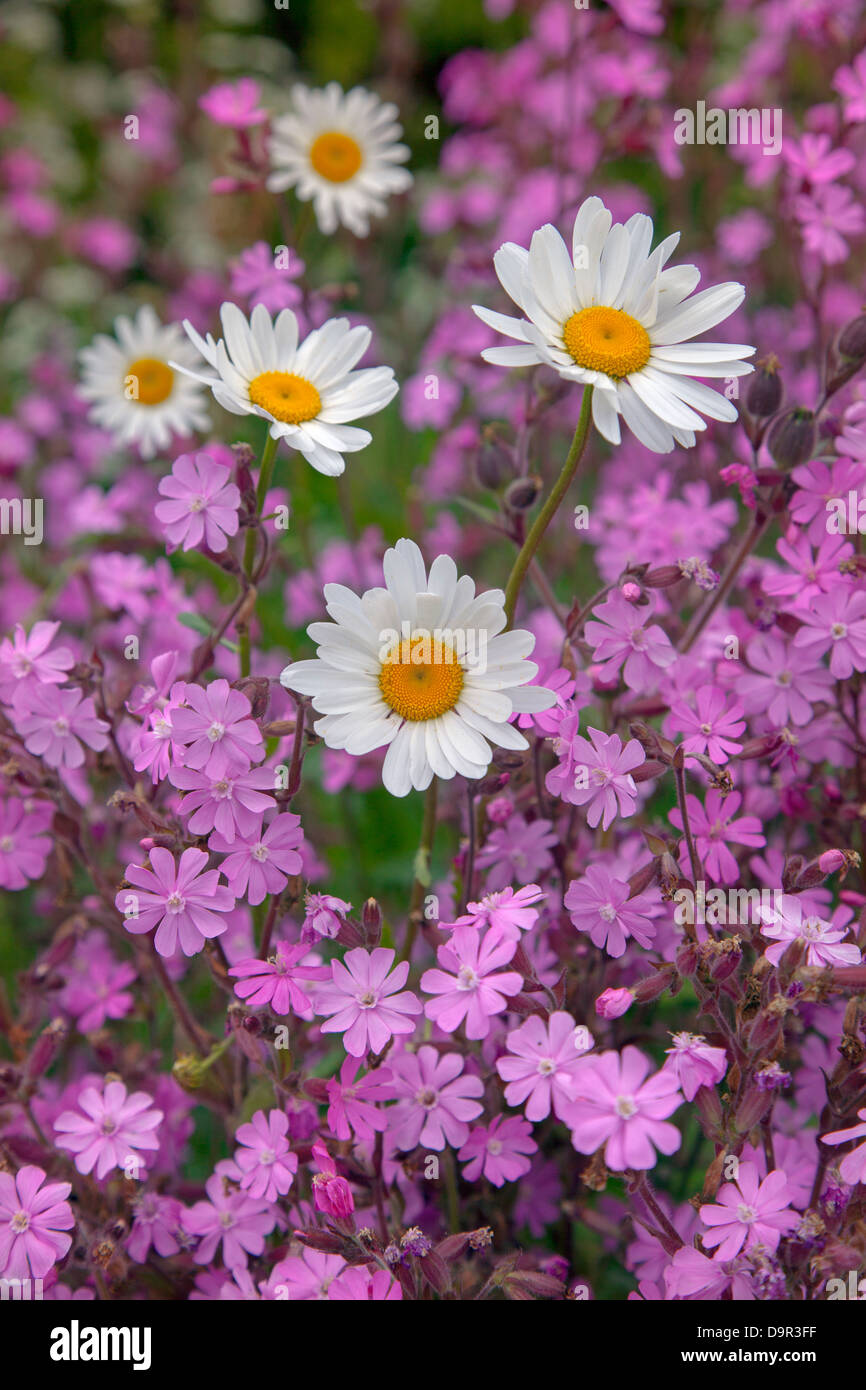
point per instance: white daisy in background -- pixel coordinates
(610, 316)
(422, 666)
(134, 386)
(343, 151)
(306, 391)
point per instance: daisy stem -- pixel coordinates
(550, 508)
(421, 880)
(266, 469)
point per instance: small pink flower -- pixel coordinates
(260, 278)
(54, 723)
(510, 912)
(24, 846)
(853, 1165)
(435, 1100)
(352, 1102)
(34, 1215)
(596, 774)
(499, 1151)
(264, 1158)
(261, 863)
(602, 905)
(112, 1131)
(201, 503)
(323, 915)
(214, 728)
(618, 1106)
(184, 901)
(234, 104)
(620, 638)
(787, 921)
(363, 1002)
(331, 1193)
(364, 1285)
(229, 801)
(544, 1062)
(156, 1223)
(694, 1063)
(231, 1217)
(471, 986)
(710, 727)
(748, 1213)
(25, 657)
(274, 981)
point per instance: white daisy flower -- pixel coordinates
(610, 316)
(307, 392)
(342, 150)
(422, 666)
(133, 384)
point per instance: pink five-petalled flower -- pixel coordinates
(544, 1061)
(231, 1216)
(471, 986)
(499, 1150)
(364, 1002)
(184, 901)
(695, 1063)
(748, 1213)
(34, 1216)
(262, 862)
(617, 1105)
(435, 1099)
(601, 776)
(274, 981)
(201, 504)
(54, 723)
(112, 1130)
(214, 727)
(264, 1158)
(853, 1165)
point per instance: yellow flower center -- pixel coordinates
(421, 678)
(287, 397)
(606, 340)
(149, 381)
(337, 157)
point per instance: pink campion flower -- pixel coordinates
(230, 1216)
(695, 1063)
(24, 846)
(471, 985)
(850, 82)
(853, 1165)
(784, 682)
(323, 915)
(112, 1130)
(201, 503)
(543, 1065)
(498, 1151)
(787, 921)
(826, 217)
(599, 776)
(818, 483)
(600, 903)
(153, 747)
(510, 912)
(710, 728)
(811, 571)
(54, 724)
(693, 1276)
(26, 657)
(546, 721)
(331, 1192)
(812, 159)
(364, 1285)
(229, 801)
(620, 638)
(714, 827)
(215, 729)
(836, 622)
(260, 277)
(234, 104)
(302, 1278)
(156, 1223)
(617, 1105)
(352, 1101)
(274, 981)
(263, 862)
(184, 901)
(518, 850)
(748, 1213)
(34, 1216)
(613, 1003)
(266, 1162)
(363, 1001)
(435, 1100)
(98, 991)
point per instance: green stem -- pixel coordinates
(266, 469)
(550, 508)
(422, 878)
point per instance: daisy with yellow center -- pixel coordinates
(341, 150)
(134, 389)
(306, 391)
(611, 315)
(423, 667)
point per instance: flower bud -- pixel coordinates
(831, 861)
(494, 462)
(852, 340)
(613, 1003)
(523, 493)
(792, 437)
(46, 1047)
(765, 390)
(371, 917)
(663, 577)
(751, 1109)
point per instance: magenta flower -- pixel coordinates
(597, 775)
(231, 1217)
(54, 723)
(323, 915)
(850, 82)
(364, 1285)
(435, 1100)
(201, 504)
(363, 1002)
(331, 1192)
(111, 1132)
(812, 159)
(613, 1003)
(274, 981)
(471, 985)
(714, 827)
(748, 1213)
(710, 728)
(153, 747)
(600, 904)
(619, 638)
(827, 216)
(97, 988)
(853, 1165)
(261, 278)
(517, 851)
(543, 1066)
(499, 1150)
(181, 900)
(215, 729)
(787, 921)
(785, 680)
(25, 657)
(234, 104)
(507, 911)
(546, 721)
(261, 863)
(266, 1162)
(836, 623)
(24, 847)
(352, 1101)
(156, 1223)
(618, 1107)
(231, 802)
(691, 1275)
(34, 1215)
(694, 1063)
